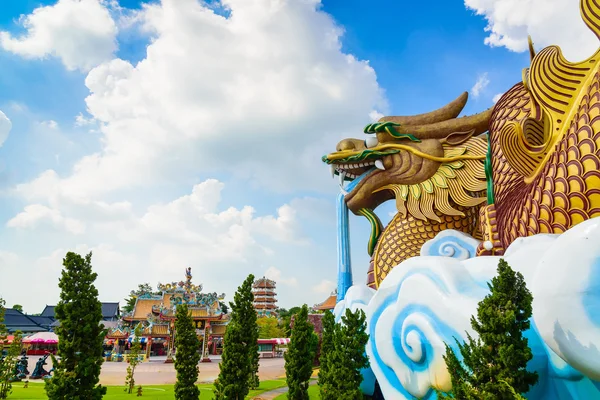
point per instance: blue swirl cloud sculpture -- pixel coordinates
(428, 301)
(451, 243)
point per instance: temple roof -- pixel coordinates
(146, 306)
(143, 307)
(156, 307)
(118, 333)
(110, 311)
(15, 320)
(329, 303)
(263, 283)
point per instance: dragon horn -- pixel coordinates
(449, 111)
(531, 49)
(477, 123)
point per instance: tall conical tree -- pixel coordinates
(232, 382)
(186, 356)
(80, 335)
(249, 324)
(300, 356)
(347, 357)
(495, 363)
(327, 348)
(237, 366)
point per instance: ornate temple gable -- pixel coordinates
(118, 332)
(201, 305)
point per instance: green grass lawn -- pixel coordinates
(158, 392)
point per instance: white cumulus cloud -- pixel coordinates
(81, 120)
(212, 92)
(255, 98)
(34, 214)
(5, 127)
(480, 85)
(277, 276)
(155, 243)
(81, 33)
(325, 286)
(549, 22)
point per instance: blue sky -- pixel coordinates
(178, 102)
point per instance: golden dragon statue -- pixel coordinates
(537, 170)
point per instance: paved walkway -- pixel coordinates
(156, 372)
(270, 395)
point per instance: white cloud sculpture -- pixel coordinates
(427, 301)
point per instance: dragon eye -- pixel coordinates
(371, 141)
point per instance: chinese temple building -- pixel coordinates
(264, 293)
(328, 304)
(156, 313)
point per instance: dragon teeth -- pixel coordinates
(379, 165)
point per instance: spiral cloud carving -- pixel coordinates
(451, 243)
(428, 301)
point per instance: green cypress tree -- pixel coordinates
(495, 363)
(134, 359)
(240, 347)
(300, 356)
(348, 358)
(232, 383)
(249, 324)
(327, 348)
(80, 334)
(187, 356)
(8, 362)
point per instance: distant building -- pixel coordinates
(328, 304)
(110, 312)
(44, 322)
(157, 314)
(15, 320)
(264, 297)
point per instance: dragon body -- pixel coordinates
(545, 146)
(537, 170)
(450, 199)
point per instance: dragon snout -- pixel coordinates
(350, 144)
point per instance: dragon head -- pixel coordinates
(403, 154)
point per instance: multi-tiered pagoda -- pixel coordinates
(264, 297)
